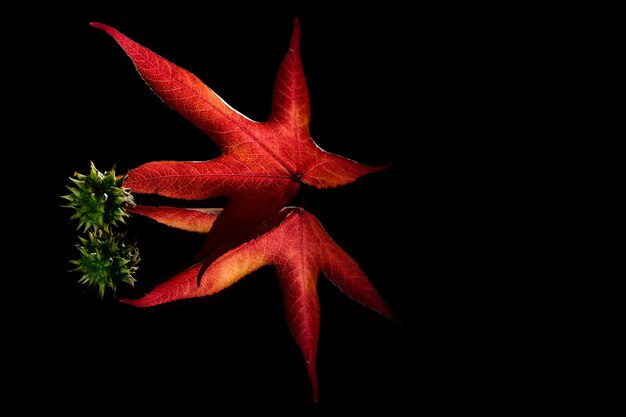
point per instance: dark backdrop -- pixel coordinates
(385, 85)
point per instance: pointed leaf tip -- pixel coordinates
(295, 36)
(97, 25)
(313, 378)
(105, 28)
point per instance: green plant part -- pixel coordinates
(101, 204)
(99, 199)
(106, 261)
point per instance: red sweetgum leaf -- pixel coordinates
(299, 247)
(262, 163)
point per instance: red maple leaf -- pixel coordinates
(294, 242)
(262, 163)
(260, 170)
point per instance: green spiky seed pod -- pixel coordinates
(106, 260)
(100, 200)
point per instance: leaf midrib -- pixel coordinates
(213, 175)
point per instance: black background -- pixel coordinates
(419, 89)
